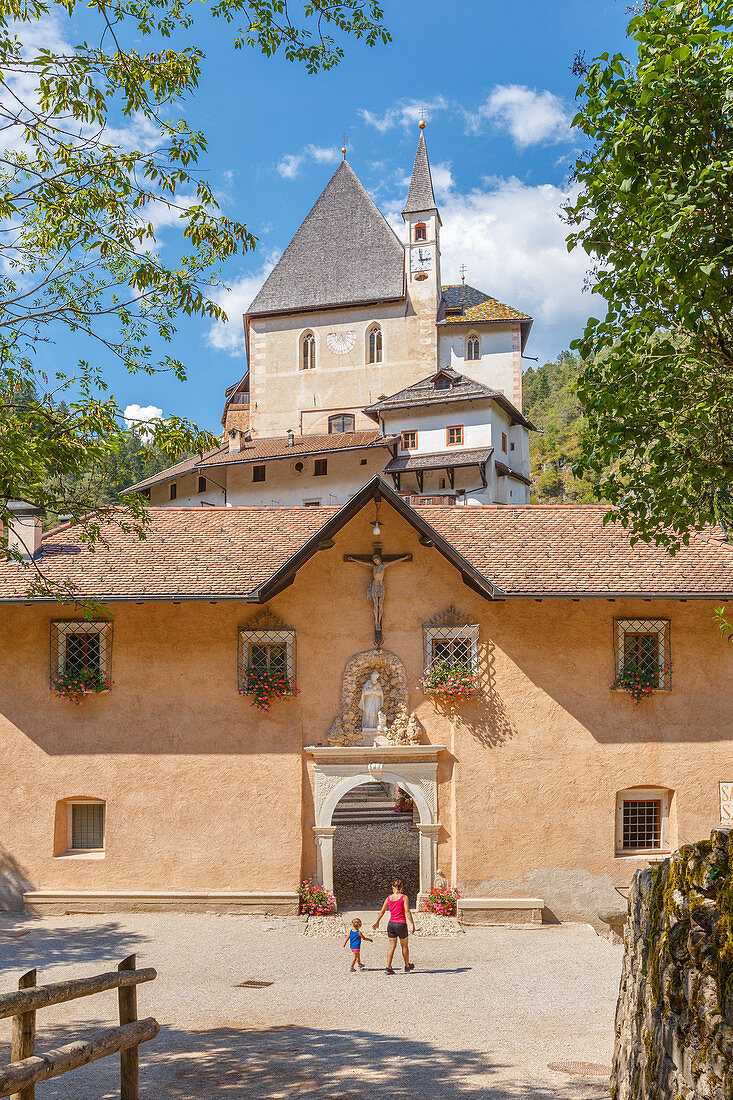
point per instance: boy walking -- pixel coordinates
(354, 939)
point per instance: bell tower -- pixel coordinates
(422, 234)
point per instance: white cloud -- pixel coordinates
(512, 240)
(138, 416)
(442, 179)
(531, 117)
(406, 112)
(229, 336)
(290, 165)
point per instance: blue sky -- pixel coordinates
(498, 93)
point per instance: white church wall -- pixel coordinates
(285, 489)
(500, 364)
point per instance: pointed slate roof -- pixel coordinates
(420, 196)
(344, 253)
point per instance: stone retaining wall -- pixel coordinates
(674, 1021)
(366, 858)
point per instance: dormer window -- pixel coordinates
(421, 231)
(473, 348)
(308, 357)
(374, 344)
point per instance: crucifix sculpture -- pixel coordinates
(378, 563)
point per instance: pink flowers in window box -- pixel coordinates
(265, 685)
(449, 679)
(77, 686)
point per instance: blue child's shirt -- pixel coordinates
(354, 939)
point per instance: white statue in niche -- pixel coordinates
(370, 704)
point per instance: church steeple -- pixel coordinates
(420, 198)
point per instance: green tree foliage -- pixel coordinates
(655, 216)
(550, 402)
(94, 152)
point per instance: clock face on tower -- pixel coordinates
(421, 259)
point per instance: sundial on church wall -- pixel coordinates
(340, 343)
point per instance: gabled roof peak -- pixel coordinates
(420, 196)
(344, 253)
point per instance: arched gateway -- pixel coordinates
(339, 769)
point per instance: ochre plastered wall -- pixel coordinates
(204, 792)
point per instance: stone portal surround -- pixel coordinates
(412, 767)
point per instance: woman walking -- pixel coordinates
(399, 914)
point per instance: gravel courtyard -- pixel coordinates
(483, 1015)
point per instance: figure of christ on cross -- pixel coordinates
(378, 563)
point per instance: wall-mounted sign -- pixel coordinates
(726, 804)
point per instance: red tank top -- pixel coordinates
(397, 909)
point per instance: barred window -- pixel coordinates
(86, 826)
(642, 820)
(642, 649)
(81, 650)
(458, 644)
(266, 650)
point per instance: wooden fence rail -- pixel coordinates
(27, 1069)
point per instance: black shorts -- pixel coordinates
(397, 930)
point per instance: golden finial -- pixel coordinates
(421, 123)
(343, 147)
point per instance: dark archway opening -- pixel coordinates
(372, 845)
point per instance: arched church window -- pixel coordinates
(308, 361)
(472, 347)
(375, 345)
(342, 422)
(421, 231)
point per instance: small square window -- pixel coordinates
(202, 484)
(266, 651)
(642, 821)
(642, 651)
(504, 442)
(457, 644)
(362, 462)
(511, 446)
(454, 435)
(320, 467)
(86, 826)
(258, 473)
(311, 504)
(81, 653)
(173, 491)
(408, 441)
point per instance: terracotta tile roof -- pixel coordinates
(474, 305)
(186, 466)
(531, 550)
(188, 552)
(258, 450)
(538, 549)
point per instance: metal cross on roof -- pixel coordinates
(463, 274)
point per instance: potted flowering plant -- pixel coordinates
(265, 685)
(76, 686)
(449, 680)
(315, 900)
(442, 900)
(403, 803)
(637, 682)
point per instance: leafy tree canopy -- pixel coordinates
(80, 196)
(656, 217)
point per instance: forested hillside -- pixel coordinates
(551, 405)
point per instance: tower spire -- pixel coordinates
(420, 196)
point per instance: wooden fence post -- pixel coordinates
(24, 1036)
(129, 1075)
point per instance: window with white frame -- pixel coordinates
(473, 349)
(81, 650)
(642, 821)
(642, 648)
(85, 826)
(266, 651)
(457, 644)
